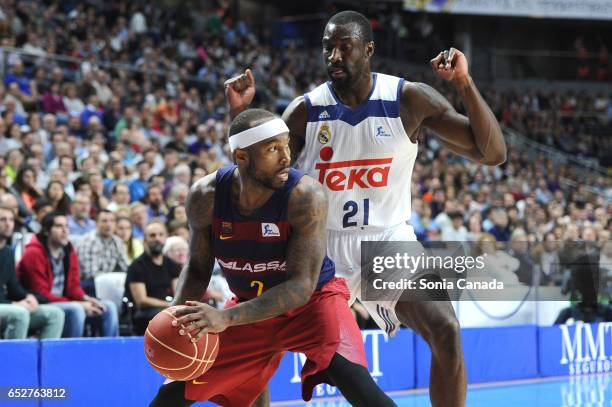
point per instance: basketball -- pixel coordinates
(174, 355)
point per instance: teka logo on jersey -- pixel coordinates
(345, 175)
(587, 350)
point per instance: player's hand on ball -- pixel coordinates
(451, 65)
(197, 319)
(240, 90)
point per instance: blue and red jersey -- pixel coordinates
(252, 250)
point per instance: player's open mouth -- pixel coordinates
(283, 174)
(337, 73)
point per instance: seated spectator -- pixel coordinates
(120, 198)
(546, 256)
(20, 312)
(177, 213)
(56, 195)
(156, 207)
(80, 223)
(152, 277)
(500, 229)
(100, 251)
(41, 207)
(139, 186)
(139, 219)
(53, 102)
(50, 270)
(178, 228)
(25, 185)
(455, 231)
(133, 246)
(176, 249)
(519, 249)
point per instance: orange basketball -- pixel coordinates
(174, 355)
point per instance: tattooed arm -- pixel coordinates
(305, 253)
(195, 276)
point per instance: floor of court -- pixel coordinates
(585, 391)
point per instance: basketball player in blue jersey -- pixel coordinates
(264, 223)
(357, 134)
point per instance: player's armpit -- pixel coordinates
(296, 116)
(195, 276)
(305, 253)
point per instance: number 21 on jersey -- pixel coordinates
(354, 212)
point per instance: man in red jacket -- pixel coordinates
(49, 268)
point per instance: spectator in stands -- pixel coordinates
(176, 249)
(41, 207)
(139, 219)
(49, 269)
(139, 186)
(20, 312)
(133, 246)
(152, 277)
(120, 198)
(546, 256)
(16, 75)
(474, 227)
(56, 195)
(25, 186)
(100, 251)
(455, 231)
(156, 207)
(520, 250)
(80, 222)
(500, 228)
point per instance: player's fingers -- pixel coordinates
(193, 303)
(200, 335)
(230, 81)
(437, 60)
(451, 57)
(184, 320)
(250, 77)
(191, 328)
(446, 61)
(179, 312)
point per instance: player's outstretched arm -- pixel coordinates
(239, 92)
(306, 250)
(195, 276)
(296, 116)
(477, 136)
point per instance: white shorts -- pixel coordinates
(345, 250)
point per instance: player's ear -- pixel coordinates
(370, 49)
(241, 157)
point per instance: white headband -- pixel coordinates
(256, 134)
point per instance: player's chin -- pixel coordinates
(341, 82)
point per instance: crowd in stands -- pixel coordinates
(98, 151)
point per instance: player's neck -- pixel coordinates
(358, 92)
(250, 195)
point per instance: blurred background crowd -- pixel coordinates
(110, 110)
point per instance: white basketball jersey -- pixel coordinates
(362, 156)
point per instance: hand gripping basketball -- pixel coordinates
(197, 319)
(176, 356)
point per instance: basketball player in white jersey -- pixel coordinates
(357, 134)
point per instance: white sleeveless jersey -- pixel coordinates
(362, 156)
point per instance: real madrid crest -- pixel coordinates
(325, 134)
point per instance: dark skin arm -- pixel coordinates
(195, 276)
(305, 252)
(477, 136)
